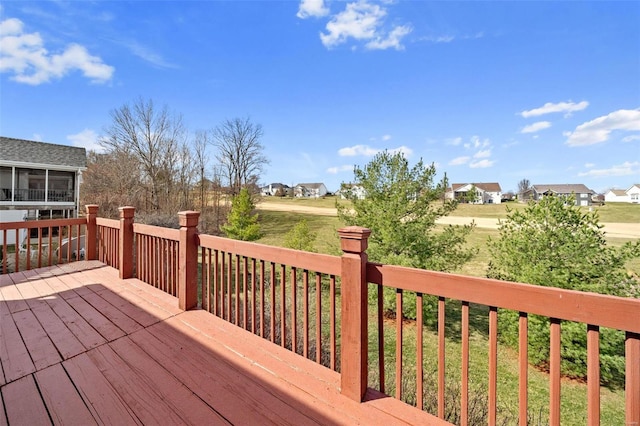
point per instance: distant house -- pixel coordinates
(580, 192)
(313, 190)
(631, 195)
(485, 193)
(351, 188)
(39, 180)
(508, 196)
(275, 189)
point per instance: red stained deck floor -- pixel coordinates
(80, 346)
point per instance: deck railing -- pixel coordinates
(39, 243)
(320, 307)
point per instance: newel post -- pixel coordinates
(188, 260)
(125, 245)
(354, 337)
(91, 243)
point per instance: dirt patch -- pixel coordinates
(615, 230)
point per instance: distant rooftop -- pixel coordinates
(26, 151)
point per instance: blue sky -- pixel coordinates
(489, 91)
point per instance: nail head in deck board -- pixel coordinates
(21, 410)
(100, 397)
(61, 398)
(14, 355)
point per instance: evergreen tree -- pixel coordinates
(555, 243)
(300, 237)
(242, 224)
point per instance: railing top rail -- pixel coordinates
(316, 262)
(29, 224)
(589, 308)
(108, 223)
(157, 231)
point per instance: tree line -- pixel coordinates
(152, 162)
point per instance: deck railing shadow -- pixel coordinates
(302, 300)
(216, 375)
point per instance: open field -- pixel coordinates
(609, 213)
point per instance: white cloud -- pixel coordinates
(453, 141)
(631, 138)
(86, 139)
(315, 8)
(338, 169)
(392, 40)
(481, 164)
(599, 129)
(459, 161)
(536, 127)
(549, 107)
(386, 137)
(363, 21)
(24, 55)
(352, 151)
(405, 150)
(440, 39)
(476, 143)
(450, 38)
(625, 169)
(149, 55)
(589, 165)
(483, 154)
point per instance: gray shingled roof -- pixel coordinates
(485, 186)
(563, 189)
(41, 153)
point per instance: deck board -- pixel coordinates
(80, 346)
(22, 409)
(64, 404)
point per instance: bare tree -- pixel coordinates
(240, 152)
(151, 135)
(523, 186)
(112, 180)
(201, 159)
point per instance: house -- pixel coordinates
(275, 189)
(39, 181)
(580, 192)
(485, 193)
(631, 195)
(351, 188)
(314, 190)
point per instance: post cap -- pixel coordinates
(126, 212)
(92, 208)
(188, 218)
(354, 239)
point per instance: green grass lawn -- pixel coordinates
(327, 202)
(276, 224)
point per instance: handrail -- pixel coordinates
(571, 305)
(108, 223)
(31, 224)
(157, 231)
(322, 263)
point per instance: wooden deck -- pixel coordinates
(80, 346)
